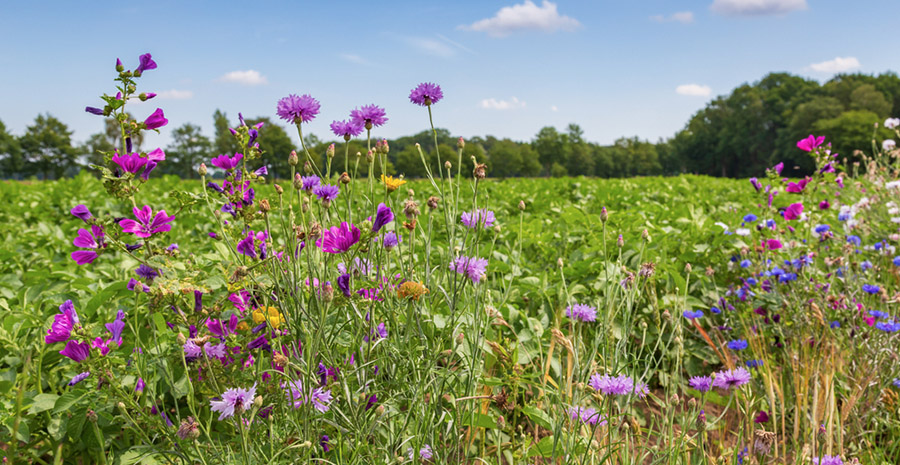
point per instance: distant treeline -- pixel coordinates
(735, 135)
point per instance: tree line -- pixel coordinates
(734, 135)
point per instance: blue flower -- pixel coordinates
(844, 217)
(853, 239)
(870, 288)
(715, 310)
(878, 314)
(888, 326)
(751, 281)
(770, 224)
(787, 277)
(737, 344)
(754, 363)
(896, 261)
(866, 265)
(897, 383)
(745, 263)
(835, 324)
(822, 228)
(692, 315)
(749, 218)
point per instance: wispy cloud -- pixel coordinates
(693, 90)
(757, 7)
(456, 44)
(838, 65)
(683, 17)
(554, 108)
(248, 77)
(175, 94)
(494, 104)
(524, 17)
(431, 47)
(352, 58)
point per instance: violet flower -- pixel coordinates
(146, 224)
(156, 120)
(77, 351)
(233, 400)
(131, 163)
(227, 163)
(473, 267)
(426, 94)
(383, 216)
(81, 212)
(368, 116)
(339, 239)
(63, 322)
(346, 129)
(146, 64)
(88, 240)
(296, 109)
(810, 143)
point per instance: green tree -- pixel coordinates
(94, 148)
(12, 163)
(550, 147)
(506, 159)
(866, 97)
(850, 132)
(189, 148)
(224, 142)
(47, 148)
(276, 147)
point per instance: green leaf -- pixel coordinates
(538, 416)
(42, 403)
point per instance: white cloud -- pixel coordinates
(684, 17)
(249, 77)
(693, 90)
(838, 65)
(175, 94)
(756, 7)
(354, 59)
(494, 104)
(526, 16)
(431, 47)
(554, 108)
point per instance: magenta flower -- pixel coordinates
(63, 322)
(582, 312)
(810, 143)
(339, 239)
(156, 155)
(797, 187)
(81, 212)
(383, 216)
(778, 168)
(147, 63)
(131, 163)
(619, 386)
(346, 129)
(368, 116)
(77, 351)
(156, 120)
(227, 163)
(425, 94)
(756, 184)
(88, 240)
(146, 224)
(296, 109)
(326, 192)
(773, 244)
(793, 211)
(234, 399)
(473, 267)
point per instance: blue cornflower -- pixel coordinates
(866, 265)
(749, 218)
(745, 263)
(737, 344)
(878, 314)
(751, 281)
(896, 261)
(870, 288)
(787, 277)
(853, 239)
(897, 383)
(754, 363)
(715, 310)
(822, 228)
(835, 324)
(888, 326)
(692, 315)
(844, 217)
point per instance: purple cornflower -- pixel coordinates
(383, 216)
(737, 344)
(339, 239)
(81, 212)
(368, 116)
(131, 163)
(77, 351)
(309, 182)
(321, 398)
(79, 378)
(582, 312)
(346, 129)
(146, 272)
(324, 443)
(214, 350)
(426, 94)
(227, 163)
(156, 120)
(191, 349)
(146, 64)
(233, 399)
(473, 267)
(63, 322)
(88, 240)
(326, 192)
(693, 315)
(587, 415)
(700, 383)
(425, 452)
(296, 109)
(146, 224)
(620, 385)
(391, 240)
(731, 378)
(828, 460)
(481, 217)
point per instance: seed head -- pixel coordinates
(433, 202)
(479, 171)
(264, 206)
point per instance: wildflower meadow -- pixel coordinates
(343, 315)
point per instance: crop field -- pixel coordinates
(341, 317)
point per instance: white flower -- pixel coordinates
(742, 232)
(888, 145)
(894, 211)
(892, 185)
(892, 123)
(722, 225)
(895, 219)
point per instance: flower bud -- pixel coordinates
(298, 181)
(181, 339)
(264, 206)
(447, 165)
(119, 66)
(202, 170)
(370, 157)
(433, 202)
(688, 268)
(645, 235)
(559, 262)
(189, 429)
(307, 167)
(329, 152)
(258, 402)
(620, 241)
(279, 190)
(345, 178)
(521, 205)
(411, 209)
(461, 143)
(91, 416)
(292, 158)
(479, 171)
(604, 215)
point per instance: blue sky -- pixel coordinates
(507, 68)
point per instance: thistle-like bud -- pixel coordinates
(258, 402)
(329, 152)
(521, 205)
(620, 241)
(202, 170)
(666, 315)
(411, 209)
(480, 170)
(604, 215)
(181, 339)
(279, 359)
(91, 416)
(280, 191)
(264, 206)
(292, 158)
(433, 202)
(298, 181)
(559, 262)
(370, 157)
(382, 146)
(345, 178)
(189, 429)
(688, 268)
(461, 143)
(645, 235)
(448, 165)
(307, 167)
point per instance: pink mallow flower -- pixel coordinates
(147, 224)
(88, 240)
(793, 211)
(810, 143)
(339, 239)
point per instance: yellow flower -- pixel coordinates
(411, 289)
(274, 317)
(392, 183)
